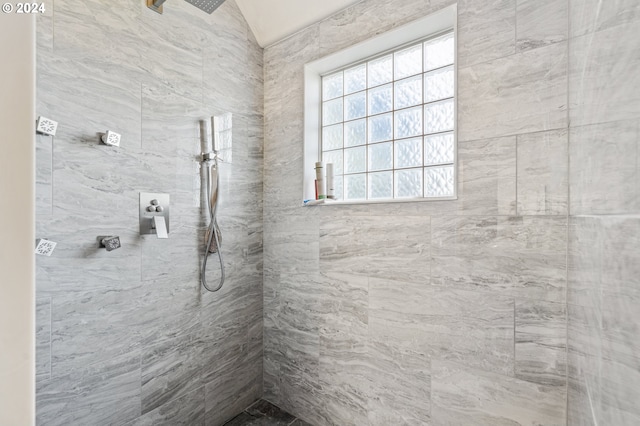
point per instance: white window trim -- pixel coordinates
(438, 22)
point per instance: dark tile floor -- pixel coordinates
(264, 413)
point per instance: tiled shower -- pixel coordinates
(517, 303)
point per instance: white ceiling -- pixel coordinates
(273, 20)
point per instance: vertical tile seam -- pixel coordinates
(568, 219)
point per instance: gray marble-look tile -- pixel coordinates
(584, 262)
(86, 29)
(519, 256)
(486, 30)
(487, 176)
(232, 391)
(400, 386)
(588, 16)
(540, 23)
(603, 171)
(343, 244)
(522, 93)
(89, 329)
(77, 264)
(188, 410)
(44, 175)
(169, 119)
(262, 408)
(170, 370)
(397, 249)
(541, 340)
(43, 338)
(292, 247)
(105, 394)
(603, 74)
(464, 396)
(473, 328)
(299, 422)
(542, 173)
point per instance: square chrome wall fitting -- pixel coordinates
(46, 126)
(111, 138)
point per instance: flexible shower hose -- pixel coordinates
(213, 235)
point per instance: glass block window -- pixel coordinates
(388, 124)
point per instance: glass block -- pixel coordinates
(408, 122)
(355, 187)
(408, 153)
(380, 128)
(438, 117)
(355, 106)
(355, 160)
(407, 62)
(332, 86)
(334, 157)
(438, 181)
(438, 84)
(408, 92)
(355, 133)
(355, 79)
(332, 112)
(338, 187)
(438, 149)
(381, 156)
(439, 52)
(380, 99)
(332, 137)
(380, 71)
(380, 185)
(408, 183)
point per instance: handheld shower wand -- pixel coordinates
(213, 238)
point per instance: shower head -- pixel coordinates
(206, 5)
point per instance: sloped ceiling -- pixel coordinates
(273, 20)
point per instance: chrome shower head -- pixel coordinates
(206, 5)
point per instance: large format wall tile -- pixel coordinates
(520, 256)
(604, 170)
(134, 339)
(599, 62)
(486, 30)
(540, 23)
(589, 16)
(465, 396)
(541, 340)
(542, 173)
(521, 93)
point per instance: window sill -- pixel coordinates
(318, 203)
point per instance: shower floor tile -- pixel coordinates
(263, 413)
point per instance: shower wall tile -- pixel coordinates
(77, 264)
(151, 78)
(486, 31)
(487, 177)
(44, 175)
(169, 120)
(542, 173)
(540, 343)
(598, 62)
(401, 391)
(521, 93)
(43, 338)
(465, 396)
(90, 329)
(604, 171)
(95, 394)
(589, 16)
(585, 260)
(170, 370)
(540, 23)
(185, 410)
(519, 256)
(85, 30)
(470, 327)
